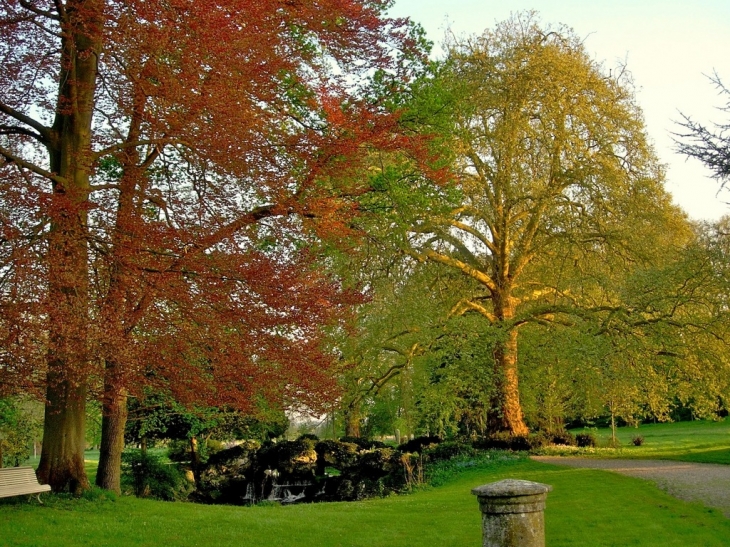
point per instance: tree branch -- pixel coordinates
(97, 187)
(124, 145)
(464, 305)
(15, 130)
(49, 14)
(455, 242)
(475, 233)
(478, 275)
(12, 158)
(252, 217)
(45, 132)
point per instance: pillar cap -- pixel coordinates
(509, 488)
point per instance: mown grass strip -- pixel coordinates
(696, 441)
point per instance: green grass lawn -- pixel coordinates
(696, 441)
(586, 508)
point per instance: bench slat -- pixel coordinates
(10, 471)
(8, 483)
(11, 486)
(22, 491)
(16, 481)
(16, 471)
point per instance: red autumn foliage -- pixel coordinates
(165, 165)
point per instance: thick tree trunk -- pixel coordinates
(114, 402)
(195, 459)
(507, 393)
(506, 402)
(352, 421)
(69, 147)
(64, 431)
(113, 422)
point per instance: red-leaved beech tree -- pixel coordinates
(167, 169)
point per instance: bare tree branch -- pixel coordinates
(12, 158)
(44, 132)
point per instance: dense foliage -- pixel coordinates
(211, 215)
(309, 470)
(165, 165)
(19, 430)
(554, 239)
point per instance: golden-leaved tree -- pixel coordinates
(552, 172)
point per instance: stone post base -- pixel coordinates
(513, 513)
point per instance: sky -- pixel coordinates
(670, 47)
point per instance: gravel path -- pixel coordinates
(707, 483)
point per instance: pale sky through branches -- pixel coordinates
(669, 46)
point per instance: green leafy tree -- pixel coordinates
(551, 173)
(454, 382)
(159, 417)
(20, 426)
(389, 333)
(658, 342)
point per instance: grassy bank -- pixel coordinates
(585, 508)
(696, 441)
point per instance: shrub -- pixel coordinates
(363, 444)
(539, 440)
(637, 440)
(375, 464)
(564, 438)
(297, 460)
(412, 467)
(419, 443)
(308, 436)
(504, 440)
(448, 450)
(148, 477)
(178, 450)
(340, 455)
(521, 443)
(613, 442)
(586, 440)
(495, 441)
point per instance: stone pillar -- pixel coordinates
(513, 513)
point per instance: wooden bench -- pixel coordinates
(18, 481)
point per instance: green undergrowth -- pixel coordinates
(445, 471)
(586, 508)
